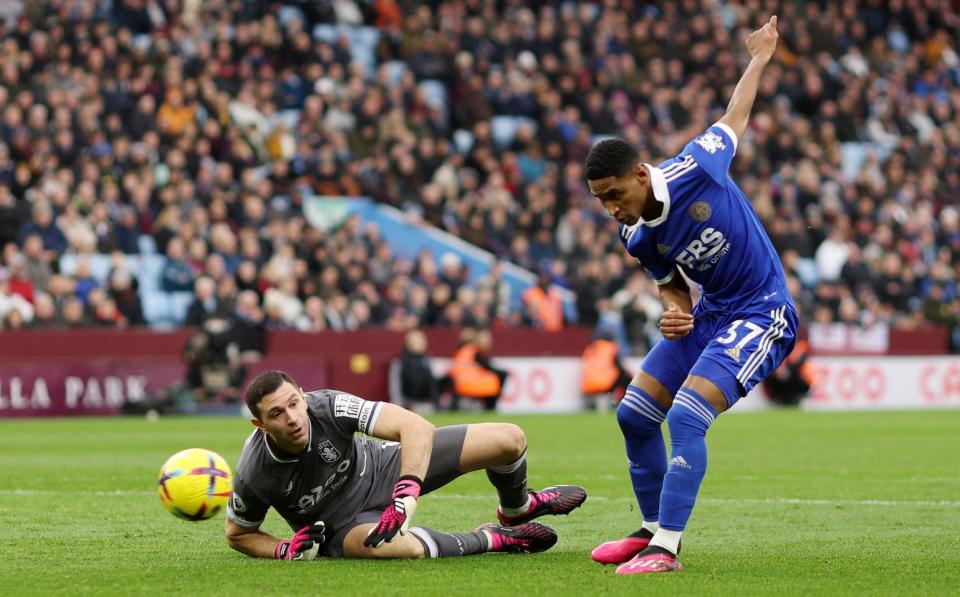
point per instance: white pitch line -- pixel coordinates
(481, 498)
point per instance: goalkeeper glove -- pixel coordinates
(304, 545)
(396, 518)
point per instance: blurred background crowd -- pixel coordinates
(192, 132)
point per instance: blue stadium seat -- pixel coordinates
(156, 308)
(179, 304)
(146, 244)
(148, 272)
(395, 70)
(463, 140)
(503, 129)
(435, 92)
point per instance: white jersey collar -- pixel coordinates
(658, 182)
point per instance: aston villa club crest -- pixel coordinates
(700, 211)
(328, 452)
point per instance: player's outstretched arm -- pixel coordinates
(761, 45)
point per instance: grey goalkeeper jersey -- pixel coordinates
(330, 481)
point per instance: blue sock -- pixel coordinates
(640, 418)
(688, 420)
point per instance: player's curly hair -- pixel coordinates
(611, 157)
(263, 384)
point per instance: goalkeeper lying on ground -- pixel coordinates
(348, 496)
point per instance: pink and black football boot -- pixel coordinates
(559, 499)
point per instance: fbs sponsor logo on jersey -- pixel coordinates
(328, 452)
(710, 142)
(704, 252)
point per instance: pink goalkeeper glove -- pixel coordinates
(396, 518)
(304, 545)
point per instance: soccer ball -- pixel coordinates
(195, 484)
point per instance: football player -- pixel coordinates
(346, 495)
(687, 215)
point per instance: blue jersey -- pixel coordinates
(708, 229)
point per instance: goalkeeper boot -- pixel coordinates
(529, 537)
(559, 499)
(651, 560)
(621, 550)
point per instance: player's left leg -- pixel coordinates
(744, 352)
(420, 542)
(500, 449)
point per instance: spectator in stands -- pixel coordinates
(248, 327)
(602, 373)
(15, 311)
(543, 304)
(418, 385)
(41, 224)
(177, 275)
(472, 375)
(205, 303)
(125, 297)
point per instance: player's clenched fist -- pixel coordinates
(304, 545)
(762, 42)
(396, 518)
(674, 323)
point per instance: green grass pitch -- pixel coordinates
(793, 504)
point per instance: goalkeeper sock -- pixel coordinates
(640, 418)
(510, 481)
(688, 420)
(437, 544)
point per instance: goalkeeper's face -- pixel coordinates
(283, 416)
(623, 197)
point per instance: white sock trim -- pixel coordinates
(517, 511)
(432, 549)
(650, 525)
(505, 469)
(669, 540)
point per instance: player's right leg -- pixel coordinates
(420, 542)
(640, 415)
(501, 450)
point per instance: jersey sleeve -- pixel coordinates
(713, 151)
(245, 508)
(660, 270)
(353, 413)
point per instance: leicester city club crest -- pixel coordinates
(700, 211)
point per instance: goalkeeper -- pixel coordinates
(352, 496)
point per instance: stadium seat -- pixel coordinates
(156, 308)
(148, 272)
(395, 69)
(146, 244)
(463, 140)
(504, 128)
(179, 304)
(435, 92)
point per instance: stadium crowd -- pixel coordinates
(204, 126)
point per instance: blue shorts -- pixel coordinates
(735, 351)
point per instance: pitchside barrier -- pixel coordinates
(100, 372)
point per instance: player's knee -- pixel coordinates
(633, 423)
(512, 441)
(684, 421)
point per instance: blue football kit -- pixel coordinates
(745, 321)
